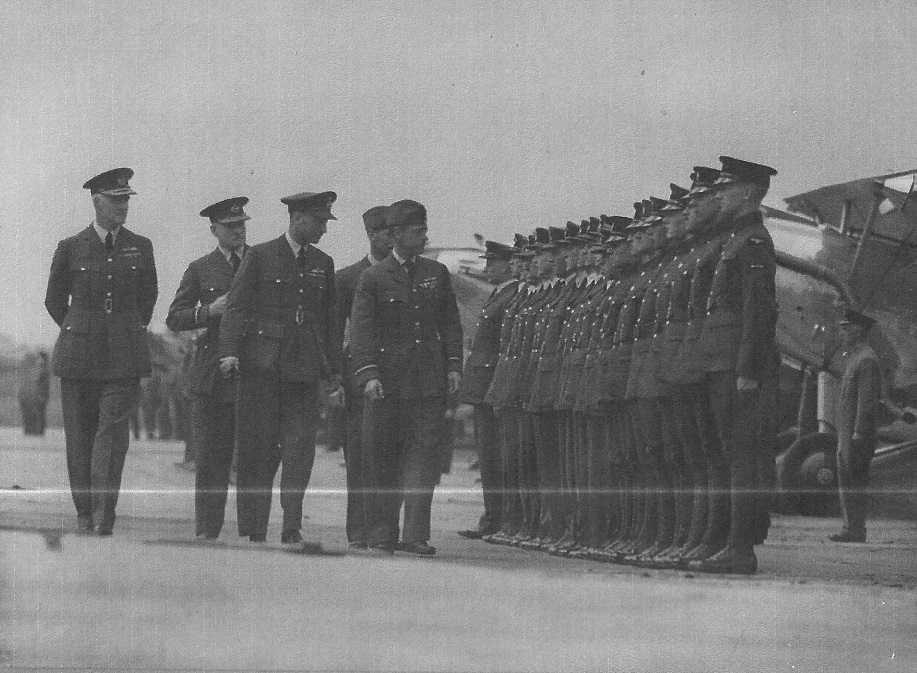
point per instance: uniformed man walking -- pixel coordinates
(379, 234)
(199, 304)
(280, 332)
(406, 341)
(101, 291)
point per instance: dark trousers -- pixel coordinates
(97, 429)
(402, 458)
(512, 499)
(353, 458)
(486, 438)
(214, 423)
(529, 485)
(736, 418)
(853, 459)
(685, 402)
(550, 522)
(276, 424)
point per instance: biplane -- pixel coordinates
(853, 245)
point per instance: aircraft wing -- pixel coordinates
(895, 221)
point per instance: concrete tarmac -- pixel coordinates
(150, 598)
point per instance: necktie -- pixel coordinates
(301, 256)
(234, 261)
(109, 243)
(409, 266)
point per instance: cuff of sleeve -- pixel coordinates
(364, 374)
(201, 315)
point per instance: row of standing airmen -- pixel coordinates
(624, 377)
(271, 348)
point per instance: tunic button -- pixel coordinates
(109, 276)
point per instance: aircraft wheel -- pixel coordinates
(807, 476)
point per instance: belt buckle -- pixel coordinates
(108, 304)
(300, 317)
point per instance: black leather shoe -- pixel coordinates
(259, 537)
(417, 548)
(847, 536)
(291, 537)
(727, 561)
(382, 549)
(472, 534)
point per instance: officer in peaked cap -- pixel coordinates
(101, 292)
(280, 331)
(738, 347)
(476, 379)
(200, 302)
(379, 235)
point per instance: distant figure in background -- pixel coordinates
(101, 292)
(34, 386)
(857, 413)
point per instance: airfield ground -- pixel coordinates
(148, 598)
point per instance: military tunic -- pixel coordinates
(281, 322)
(213, 396)
(102, 302)
(406, 333)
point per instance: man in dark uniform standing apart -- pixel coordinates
(406, 340)
(101, 291)
(380, 246)
(199, 304)
(857, 420)
(479, 371)
(280, 332)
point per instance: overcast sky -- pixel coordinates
(497, 116)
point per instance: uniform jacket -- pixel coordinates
(205, 280)
(858, 398)
(280, 317)
(739, 331)
(346, 280)
(405, 333)
(485, 347)
(102, 305)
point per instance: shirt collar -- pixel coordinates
(505, 283)
(372, 260)
(294, 245)
(102, 232)
(401, 260)
(228, 253)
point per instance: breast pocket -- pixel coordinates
(394, 312)
(274, 289)
(85, 275)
